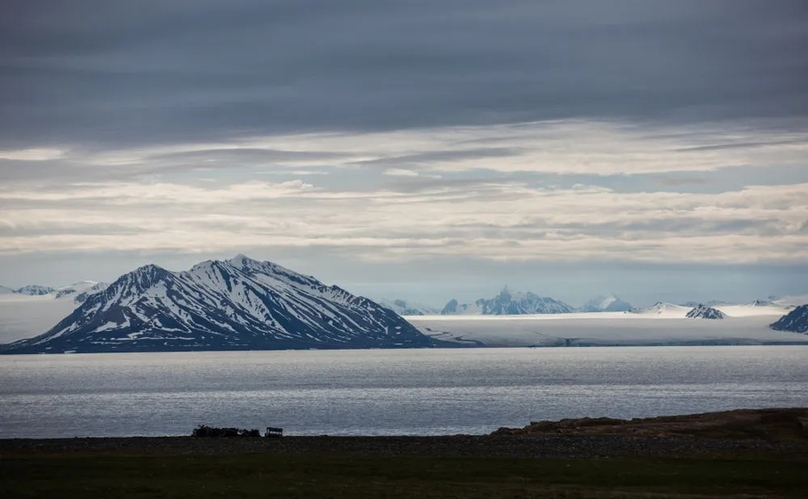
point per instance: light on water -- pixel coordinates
(383, 392)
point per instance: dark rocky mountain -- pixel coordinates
(702, 311)
(507, 303)
(238, 304)
(795, 321)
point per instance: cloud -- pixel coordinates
(146, 71)
(399, 172)
(497, 220)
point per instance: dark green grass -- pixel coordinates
(293, 476)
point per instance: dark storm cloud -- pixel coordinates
(146, 71)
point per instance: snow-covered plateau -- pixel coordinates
(662, 324)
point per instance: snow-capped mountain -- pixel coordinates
(403, 307)
(609, 303)
(663, 309)
(704, 312)
(238, 304)
(5, 291)
(795, 321)
(507, 303)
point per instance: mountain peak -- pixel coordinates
(702, 311)
(238, 304)
(242, 260)
(795, 321)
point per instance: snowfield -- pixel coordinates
(742, 326)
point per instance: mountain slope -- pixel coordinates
(238, 304)
(507, 303)
(663, 309)
(704, 312)
(795, 321)
(402, 307)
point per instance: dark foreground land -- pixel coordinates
(554, 462)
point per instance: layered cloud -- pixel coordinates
(454, 198)
(511, 131)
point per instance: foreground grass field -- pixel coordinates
(306, 475)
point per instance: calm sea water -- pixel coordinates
(379, 392)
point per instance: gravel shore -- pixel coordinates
(542, 446)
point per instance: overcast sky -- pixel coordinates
(415, 149)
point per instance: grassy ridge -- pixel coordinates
(307, 475)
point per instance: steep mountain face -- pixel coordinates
(795, 321)
(507, 303)
(704, 312)
(239, 304)
(609, 303)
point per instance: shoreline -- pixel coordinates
(770, 431)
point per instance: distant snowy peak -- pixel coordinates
(508, 303)
(795, 321)
(236, 304)
(403, 307)
(702, 311)
(5, 291)
(609, 303)
(663, 309)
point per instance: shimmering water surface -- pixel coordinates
(378, 392)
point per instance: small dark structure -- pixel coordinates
(210, 431)
(273, 432)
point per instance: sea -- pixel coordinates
(385, 392)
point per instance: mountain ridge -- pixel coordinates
(508, 303)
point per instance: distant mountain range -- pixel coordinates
(30, 290)
(79, 291)
(237, 304)
(508, 303)
(246, 304)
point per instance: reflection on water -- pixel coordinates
(377, 392)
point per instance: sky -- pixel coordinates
(422, 150)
